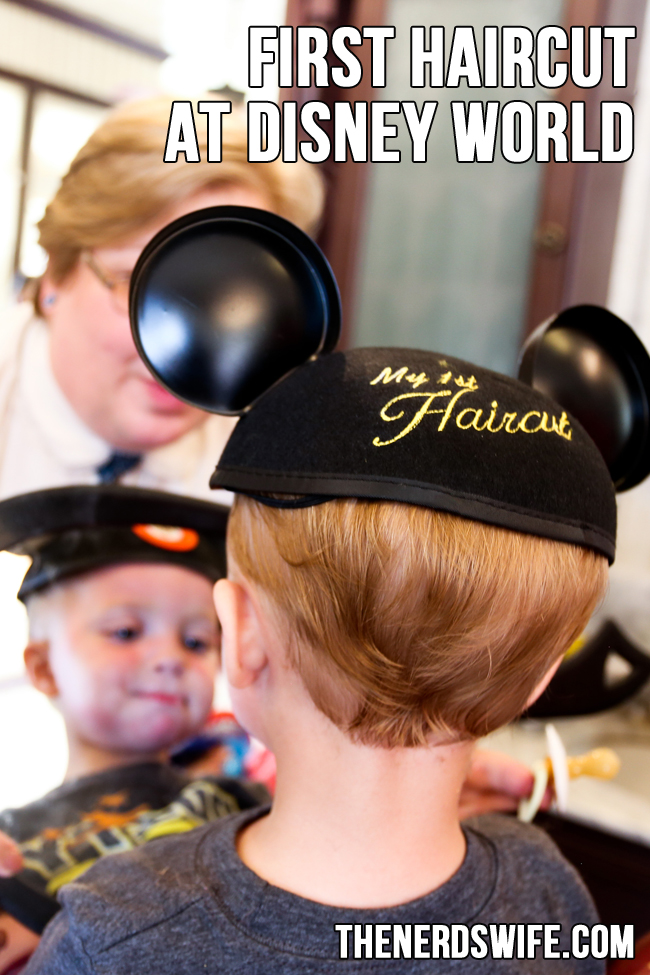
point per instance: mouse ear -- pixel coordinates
(594, 365)
(226, 301)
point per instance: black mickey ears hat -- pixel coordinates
(226, 301)
(71, 530)
(595, 365)
(422, 428)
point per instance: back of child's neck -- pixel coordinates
(360, 827)
(86, 759)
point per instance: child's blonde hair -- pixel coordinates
(118, 181)
(409, 625)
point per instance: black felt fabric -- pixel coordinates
(404, 425)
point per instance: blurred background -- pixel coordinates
(466, 259)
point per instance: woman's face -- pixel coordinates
(93, 356)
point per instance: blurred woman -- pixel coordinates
(77, 405)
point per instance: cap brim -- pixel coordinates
(56, 510)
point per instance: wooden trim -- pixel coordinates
(576, 224)
(595, 215)
(36, 85)
(33, 87)
(346, 182)
(96, 27)
(28, 126)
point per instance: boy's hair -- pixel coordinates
(118, 181)
(409, 625)
(38, 606)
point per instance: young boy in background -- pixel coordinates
(123, 638)
(407, 567)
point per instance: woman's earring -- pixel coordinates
(49, 300)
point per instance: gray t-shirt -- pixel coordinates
(184, 905)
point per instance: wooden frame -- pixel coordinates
(576, 225)
(33, 87)
(66, 16)
(346, 182)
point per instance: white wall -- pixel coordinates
(629, 297)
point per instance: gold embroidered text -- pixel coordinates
(387, 376)
(468, 418)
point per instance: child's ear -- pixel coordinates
(544, 682)
(242, 646)
(37, 662)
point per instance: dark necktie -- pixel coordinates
(116, 466)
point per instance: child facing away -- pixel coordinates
(123, 638)
(415, 544)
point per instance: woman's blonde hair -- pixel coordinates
(409, 625)
(118, 181)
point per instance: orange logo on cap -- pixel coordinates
(164, 536)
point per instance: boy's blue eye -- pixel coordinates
(126, 633)
(196, 644)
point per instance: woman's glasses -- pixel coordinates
(117, 282)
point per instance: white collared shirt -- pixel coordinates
(44, 444)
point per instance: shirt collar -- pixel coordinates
(181, 457)
(256, 905)
(81, 451)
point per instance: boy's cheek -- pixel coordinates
(82, 692)
(202, 675)
(76, 668)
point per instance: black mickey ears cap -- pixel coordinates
(592, 363)
(422, 428)
(70, 530)
(226, 301)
